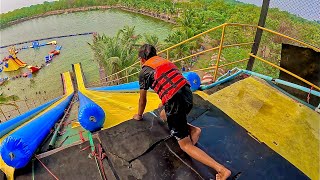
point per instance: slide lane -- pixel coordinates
(118, 106)
(8, 170)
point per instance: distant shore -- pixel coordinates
(163, 17)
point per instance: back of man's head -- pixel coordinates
(147, 51)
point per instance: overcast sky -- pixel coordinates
(9, 5)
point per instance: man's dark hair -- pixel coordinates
(147, 51)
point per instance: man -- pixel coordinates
(174, 91)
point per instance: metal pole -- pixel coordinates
(257, 39)
(219, 53)
(127, 75)
(55, 134)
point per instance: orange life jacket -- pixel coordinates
(167, 78)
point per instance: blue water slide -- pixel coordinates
(132, 86)
(91, 116)
(17, 121)
(17, 149)
(192, 78)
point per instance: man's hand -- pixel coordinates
(137, 117)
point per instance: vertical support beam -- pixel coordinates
(127, 75)
(219, 53)
(257, 39)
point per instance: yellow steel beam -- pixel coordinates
(192, 38)
(213, 67)
(211, 49)
(219, 53)
(286, 71)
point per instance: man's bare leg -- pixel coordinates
(163, 115)
(187, 146)
(195, 133)
(194, 130)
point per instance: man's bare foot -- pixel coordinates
(195, 134)
(163, 115)
(223, 174)
(137, 117)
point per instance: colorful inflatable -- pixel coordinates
(36, 44)
(34, 69)
(53, 53)
(12, 62)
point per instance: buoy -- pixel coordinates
(194, 80)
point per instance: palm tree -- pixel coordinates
(153, 40)
(116, 53)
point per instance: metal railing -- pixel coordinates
(220, 48)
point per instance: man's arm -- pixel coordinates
(142, 104)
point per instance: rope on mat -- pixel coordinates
(46, 168)
(81, 136)
(100, 155)
(183, 161)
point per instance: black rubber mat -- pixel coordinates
(2, 175)
(70, 163)
(133, 138)
(140, 150)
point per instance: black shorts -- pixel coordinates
(177, 109)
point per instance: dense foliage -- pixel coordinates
(116, 53)
(192, 17)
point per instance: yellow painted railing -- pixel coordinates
(220, 48)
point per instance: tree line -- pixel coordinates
(192, 17)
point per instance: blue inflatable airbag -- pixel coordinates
(18, 148)
(194, 80)
(91, 116)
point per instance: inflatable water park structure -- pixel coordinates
(13, 63)
(250, 124)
